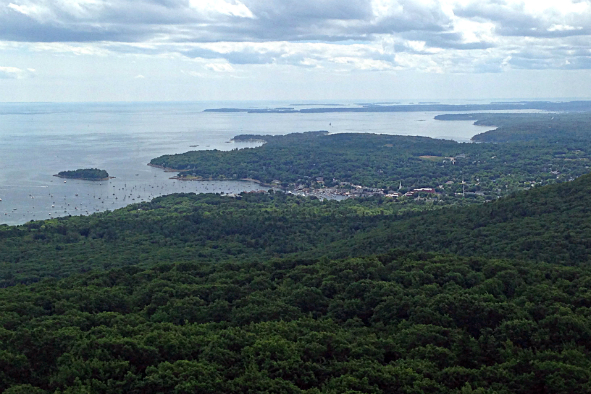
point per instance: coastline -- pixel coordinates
(84, 179)
(199, 178)
(248, 140)
(166, 169)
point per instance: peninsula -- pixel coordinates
(529, 150)
(87, 174)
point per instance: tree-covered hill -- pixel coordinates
(550, 223)
(302, 157)
(273, 293)
(185, 227)
(558, 128)
(386, 161)
(398, 323)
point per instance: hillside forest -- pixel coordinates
(281, 293)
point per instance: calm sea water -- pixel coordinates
(38, 140)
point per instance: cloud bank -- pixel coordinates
(16, 73)
(457, 36)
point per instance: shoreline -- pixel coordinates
(166, 169)
(84, 179)
(248, 140)
(199, 178)
(318, 192)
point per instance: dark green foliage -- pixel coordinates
(386, 161)
(185, 227)
(272, 293)
(551, 224)
(86, 173)
(398, 323)
(561, 128)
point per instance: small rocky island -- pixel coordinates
(87, 174)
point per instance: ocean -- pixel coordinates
(38, 140)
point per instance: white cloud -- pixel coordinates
(564, 28)
(219, 67)
(38, 12)
(193, 73)
(81, 8)
(16, 73)
(234, 8)
(69, 48)
(225, 38)
(362, 64)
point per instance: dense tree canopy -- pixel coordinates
(387, 161)
(85, 173)
(398, 323)
(549, 224)
(276, 293)
(557, 128)
(185, 227)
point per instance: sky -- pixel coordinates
(198, 50)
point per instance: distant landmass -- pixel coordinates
(528, 127)
(87, 174)
(522, 105)
(310, 104)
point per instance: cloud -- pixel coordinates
(447, 40)
(532, 18)
(16, 73)
(193, 73)
(222, 7)
(219, 67)
(427, 35)
(309, 55)
(214, 20)
(562, 57)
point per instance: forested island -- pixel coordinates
(87, 174)
(268, 292)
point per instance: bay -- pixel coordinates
(37, 140)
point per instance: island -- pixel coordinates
(87, 174)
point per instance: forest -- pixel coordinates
(395, 323)
(558, 128)
(391, 163)
(278, 293)
(548, 224)
(168, 297)
(89, 174)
